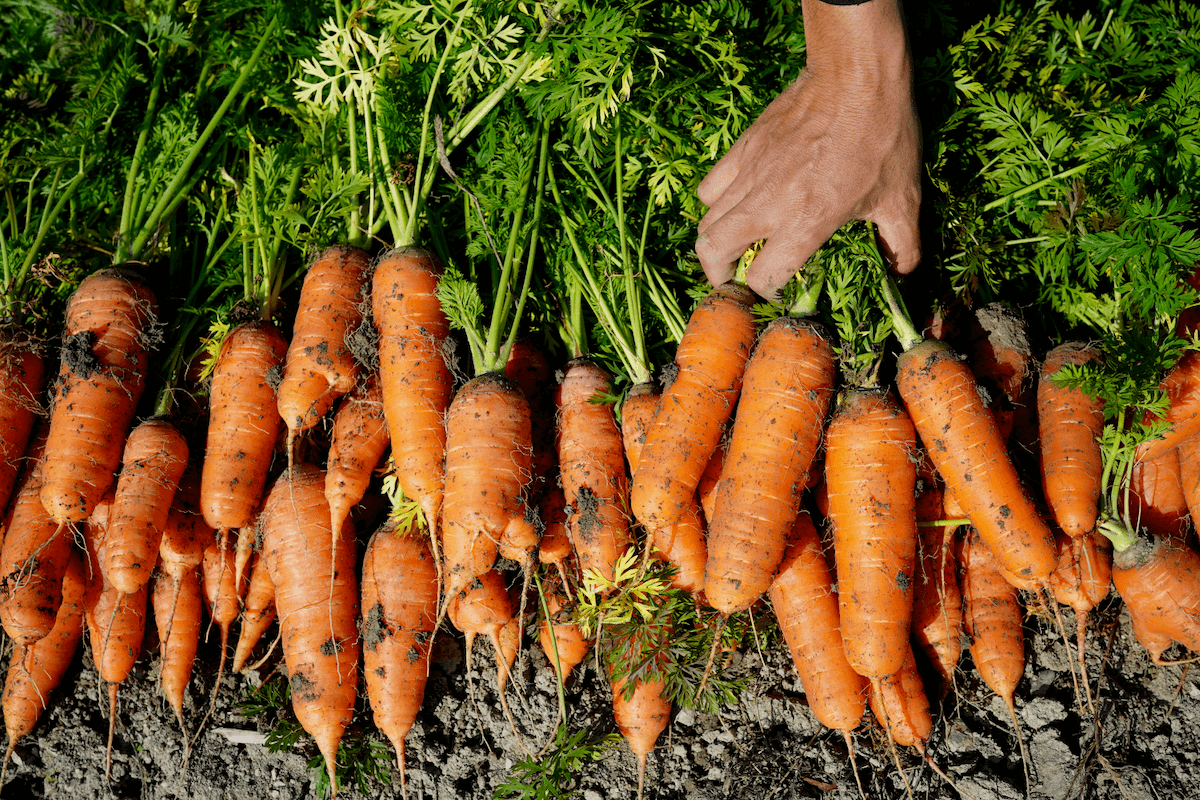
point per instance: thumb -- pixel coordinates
(899, 236)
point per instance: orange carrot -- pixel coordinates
(33, 557)
(937, 622)
(555, 546)
(222, 598)
(103, 373)
(641, 715)
(710, 479)
(258, 612)
(1182, 386)
(963, 442)
(155, 457)
(316, 597)
(992, 613)
(1159, 580)
(710, 362)
(400, 603)
(22, 373)
(320, 367)
(1156, 487)
(416, 382)
(637, 414)
(485, 607)
(243, 426)
(591, 462)
(178, 607)
(34, 671)
(1081, 580)
(561, 639)
(1189, 475)
(806, 606)
(1001, 357)
(785, 399)
(1069, 427)
(870, 471)
(116, 622)
(487, 469)
(901, 705)
(360, 438)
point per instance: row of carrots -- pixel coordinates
(499, 467)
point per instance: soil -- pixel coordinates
(1143, 743)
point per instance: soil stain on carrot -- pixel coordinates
(375, 628)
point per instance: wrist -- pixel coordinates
(857, 44)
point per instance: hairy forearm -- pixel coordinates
(862, 42)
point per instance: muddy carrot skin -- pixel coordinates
(964, 444)
(784, 403)
(710, 361)
(1159, 580)
(360, 438)
(22, 373)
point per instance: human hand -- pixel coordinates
(841, 143)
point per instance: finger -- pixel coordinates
(733, 195)
(783, 255)
(721, 244)
(899, 235)
(723, 173)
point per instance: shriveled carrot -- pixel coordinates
(870, 471)
(591, 462)
(1182, 387)
(316, 597)
(641, 715)
(34, 671)
(243, 425)
(33, 556)
(415, 379)
(529, 367)
(400, 604)
(806, 605)
(360, 438)
(1156, 486)
(961, 436)
(487, 470)
(937, 622)
(258, 612)
(116, 622)
(1159, 580)
(22, 372)
(785, 399)
(154, 460)
(1069, 427)
(710, 362)
(992, 613)
(900, 703)
(320, 367)
(561, 639)
(103, 372)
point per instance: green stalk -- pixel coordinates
(1033, 187)
(902, 325)
(534, 233)
(169, 196)
(354, 232)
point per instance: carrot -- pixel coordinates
(400, 603)
(1069, 427)
(1156, 487)
(416, 382)
(320, 367)
(22, 372)
(222, 598)
(33, 556)
(784, 402)
(561, 639)
(1182, 387)
(360, 438)
(870, 471)
(1189, 475)
(555, 546)
(637, 414)
(710, 362)
(900, 704)
(591, 463)
(642, 714)
(1159, 580)
(1081, 580)
(243, 425)
(316, 597)
(155, 457)
(706, 490)
(34, 671)
(258, 612)
(176, 594)
(937, 622)
(962, 440)
(992, 613)
(806, 605)
(116, 622)
(1001, 357)
(103, 372)
(487, 469)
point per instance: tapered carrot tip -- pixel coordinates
(327, 743)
